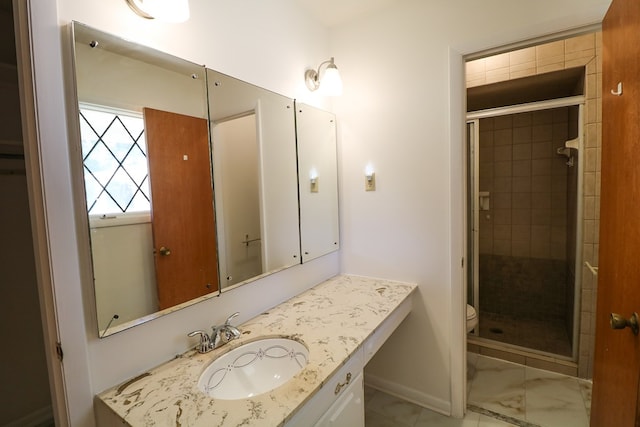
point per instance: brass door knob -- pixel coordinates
(618, 322)
(165, 251)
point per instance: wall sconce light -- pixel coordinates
(313, 181)
(163, 10)
(331, 81)
(369, 179)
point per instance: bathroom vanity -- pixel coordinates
(342, 322)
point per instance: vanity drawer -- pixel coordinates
(330, 392)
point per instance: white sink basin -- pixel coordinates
(253, 368)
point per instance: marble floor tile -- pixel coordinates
(554, 400)
(499, 386)
(433, 419)
(391, 408)
(486, 421)
(585, 387)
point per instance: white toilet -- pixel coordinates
(472, 318)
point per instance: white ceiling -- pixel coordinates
(334, 12)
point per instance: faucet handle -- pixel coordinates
(204, 345)
(228, 321)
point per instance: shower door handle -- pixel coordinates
(618, 322)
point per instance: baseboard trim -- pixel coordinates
(409, 394)
(34, 419)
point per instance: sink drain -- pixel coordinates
(496, 331)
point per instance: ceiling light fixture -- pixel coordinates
(331, 81)
(163, 10)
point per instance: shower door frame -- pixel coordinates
(473, 241)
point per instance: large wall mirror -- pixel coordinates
(318, 181)
(189, 179)
(254, 164)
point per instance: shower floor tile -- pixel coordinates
(548, 336)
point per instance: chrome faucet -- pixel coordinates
(220, 335)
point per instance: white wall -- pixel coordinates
(402, 110)
(266, 43)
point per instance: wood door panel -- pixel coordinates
(181, 206)
(617, 352)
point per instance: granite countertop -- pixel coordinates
(332, 319)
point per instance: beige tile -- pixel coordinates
(502, 247)
(540, 167)
(522, 120)
(497, 62)
(501, 216)
(521, 233)
(487, 124)
(540, 217)
(522, 56)
(550, 49)
(498, 75)
(522, 135)
(521, 184)
(502, 169)
(589, 211)
(521, 200)
(501, 232)
(521, 152)
(541, 150)
(502, 137)
(521, 217)
(541, 200)
(503, 122)
(541, 183)
(503, 153)
(542, 117)
(583, 42)
(542, 132)
(589, 230)
(502, 201)
(591, 135)
(521, 168)
(518, 74)
(477, 82)
(581, 61)
(591, 86)
(590, 159)
(477, 66)
(502, 184)
(556, 66)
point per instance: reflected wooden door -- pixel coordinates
(617, 353)
(181, 206)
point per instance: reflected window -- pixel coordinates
(114, 155)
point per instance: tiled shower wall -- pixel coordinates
(523, 236)
(584, 50)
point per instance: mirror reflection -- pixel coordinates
(254, 163)
(190, 179)
(318, 181)
(147, 175)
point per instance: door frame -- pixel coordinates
(37, 206)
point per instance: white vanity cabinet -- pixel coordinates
(348, 410)
(333, 395)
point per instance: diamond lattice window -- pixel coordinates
(114, 154)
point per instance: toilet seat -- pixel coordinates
(472, 318)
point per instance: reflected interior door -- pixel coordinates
(617, 352)
(181, 206)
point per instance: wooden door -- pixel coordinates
(617, 352)
(181, 206)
